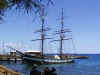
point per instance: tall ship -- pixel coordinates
(42, 58)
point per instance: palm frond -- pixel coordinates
(3, 4)
(28, 6)
(3, 7)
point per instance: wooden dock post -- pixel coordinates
(0, 58)
(15, 59)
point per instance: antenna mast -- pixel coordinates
(3, 46)
(42, 32)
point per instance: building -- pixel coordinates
(33, 52)
(13, 53)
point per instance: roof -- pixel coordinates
(32, 51)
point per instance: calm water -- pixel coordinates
(90, 66)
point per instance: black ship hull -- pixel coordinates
(31, 59)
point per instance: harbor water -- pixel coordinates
(90, 66)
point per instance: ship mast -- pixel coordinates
(42, 32)
(62, 34)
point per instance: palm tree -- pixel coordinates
(27, 5)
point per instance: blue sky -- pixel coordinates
(82, 16)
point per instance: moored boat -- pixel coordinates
(47, 60)
(42, 59)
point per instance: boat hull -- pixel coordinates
(47, 61)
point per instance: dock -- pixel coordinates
(5, 71)
(79, 57)
(9, 58)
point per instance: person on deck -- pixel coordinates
(53, 71)
(34, 71)
(46, 71)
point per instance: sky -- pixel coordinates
(81, 16)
